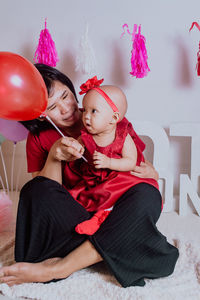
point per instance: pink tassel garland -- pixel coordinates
(139, 56)
(46, 51)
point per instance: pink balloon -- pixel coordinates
(13, 130)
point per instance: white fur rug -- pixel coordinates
(96, 283)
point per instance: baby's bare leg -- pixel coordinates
(56, 268)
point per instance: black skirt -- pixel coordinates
(128, 240)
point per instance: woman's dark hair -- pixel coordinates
(49, 75)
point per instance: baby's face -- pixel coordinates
(97, 114)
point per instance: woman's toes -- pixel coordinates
(7, 279)
(29, 272)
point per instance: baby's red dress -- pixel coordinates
(99, 189)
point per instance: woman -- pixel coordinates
(47, 246)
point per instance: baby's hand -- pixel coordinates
(100, 160)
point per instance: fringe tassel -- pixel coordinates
(139, 56)
(86, 61)
(46, 51)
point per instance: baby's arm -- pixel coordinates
(126, 163)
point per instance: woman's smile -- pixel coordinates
(70, 116)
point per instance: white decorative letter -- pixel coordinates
(187, 189)
(187, 186)
(160, 158)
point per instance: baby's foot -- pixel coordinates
(89, 227)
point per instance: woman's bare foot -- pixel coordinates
(54, 268)
(28, 272)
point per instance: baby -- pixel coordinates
(100, 119)
(112, 149)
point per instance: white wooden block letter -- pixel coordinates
(187, 189)
(189, 186)
(160, 158)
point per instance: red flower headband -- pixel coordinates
(90, 84)
(93, 84)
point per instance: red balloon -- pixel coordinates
(23, 94)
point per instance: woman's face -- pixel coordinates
(62, 107)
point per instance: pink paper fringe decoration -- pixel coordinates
(6, 215)
(139, 56)
(46, 51)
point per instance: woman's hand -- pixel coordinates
(67, 149)
(145, 170)
(64, 149)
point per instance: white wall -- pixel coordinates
(170, 93)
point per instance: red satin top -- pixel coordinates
(100, 188)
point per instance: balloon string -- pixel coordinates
(4, 168)
(17, 180)
(55, 126)
(18, 176)
(2, 184)
(12, 166)
(60, 132)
